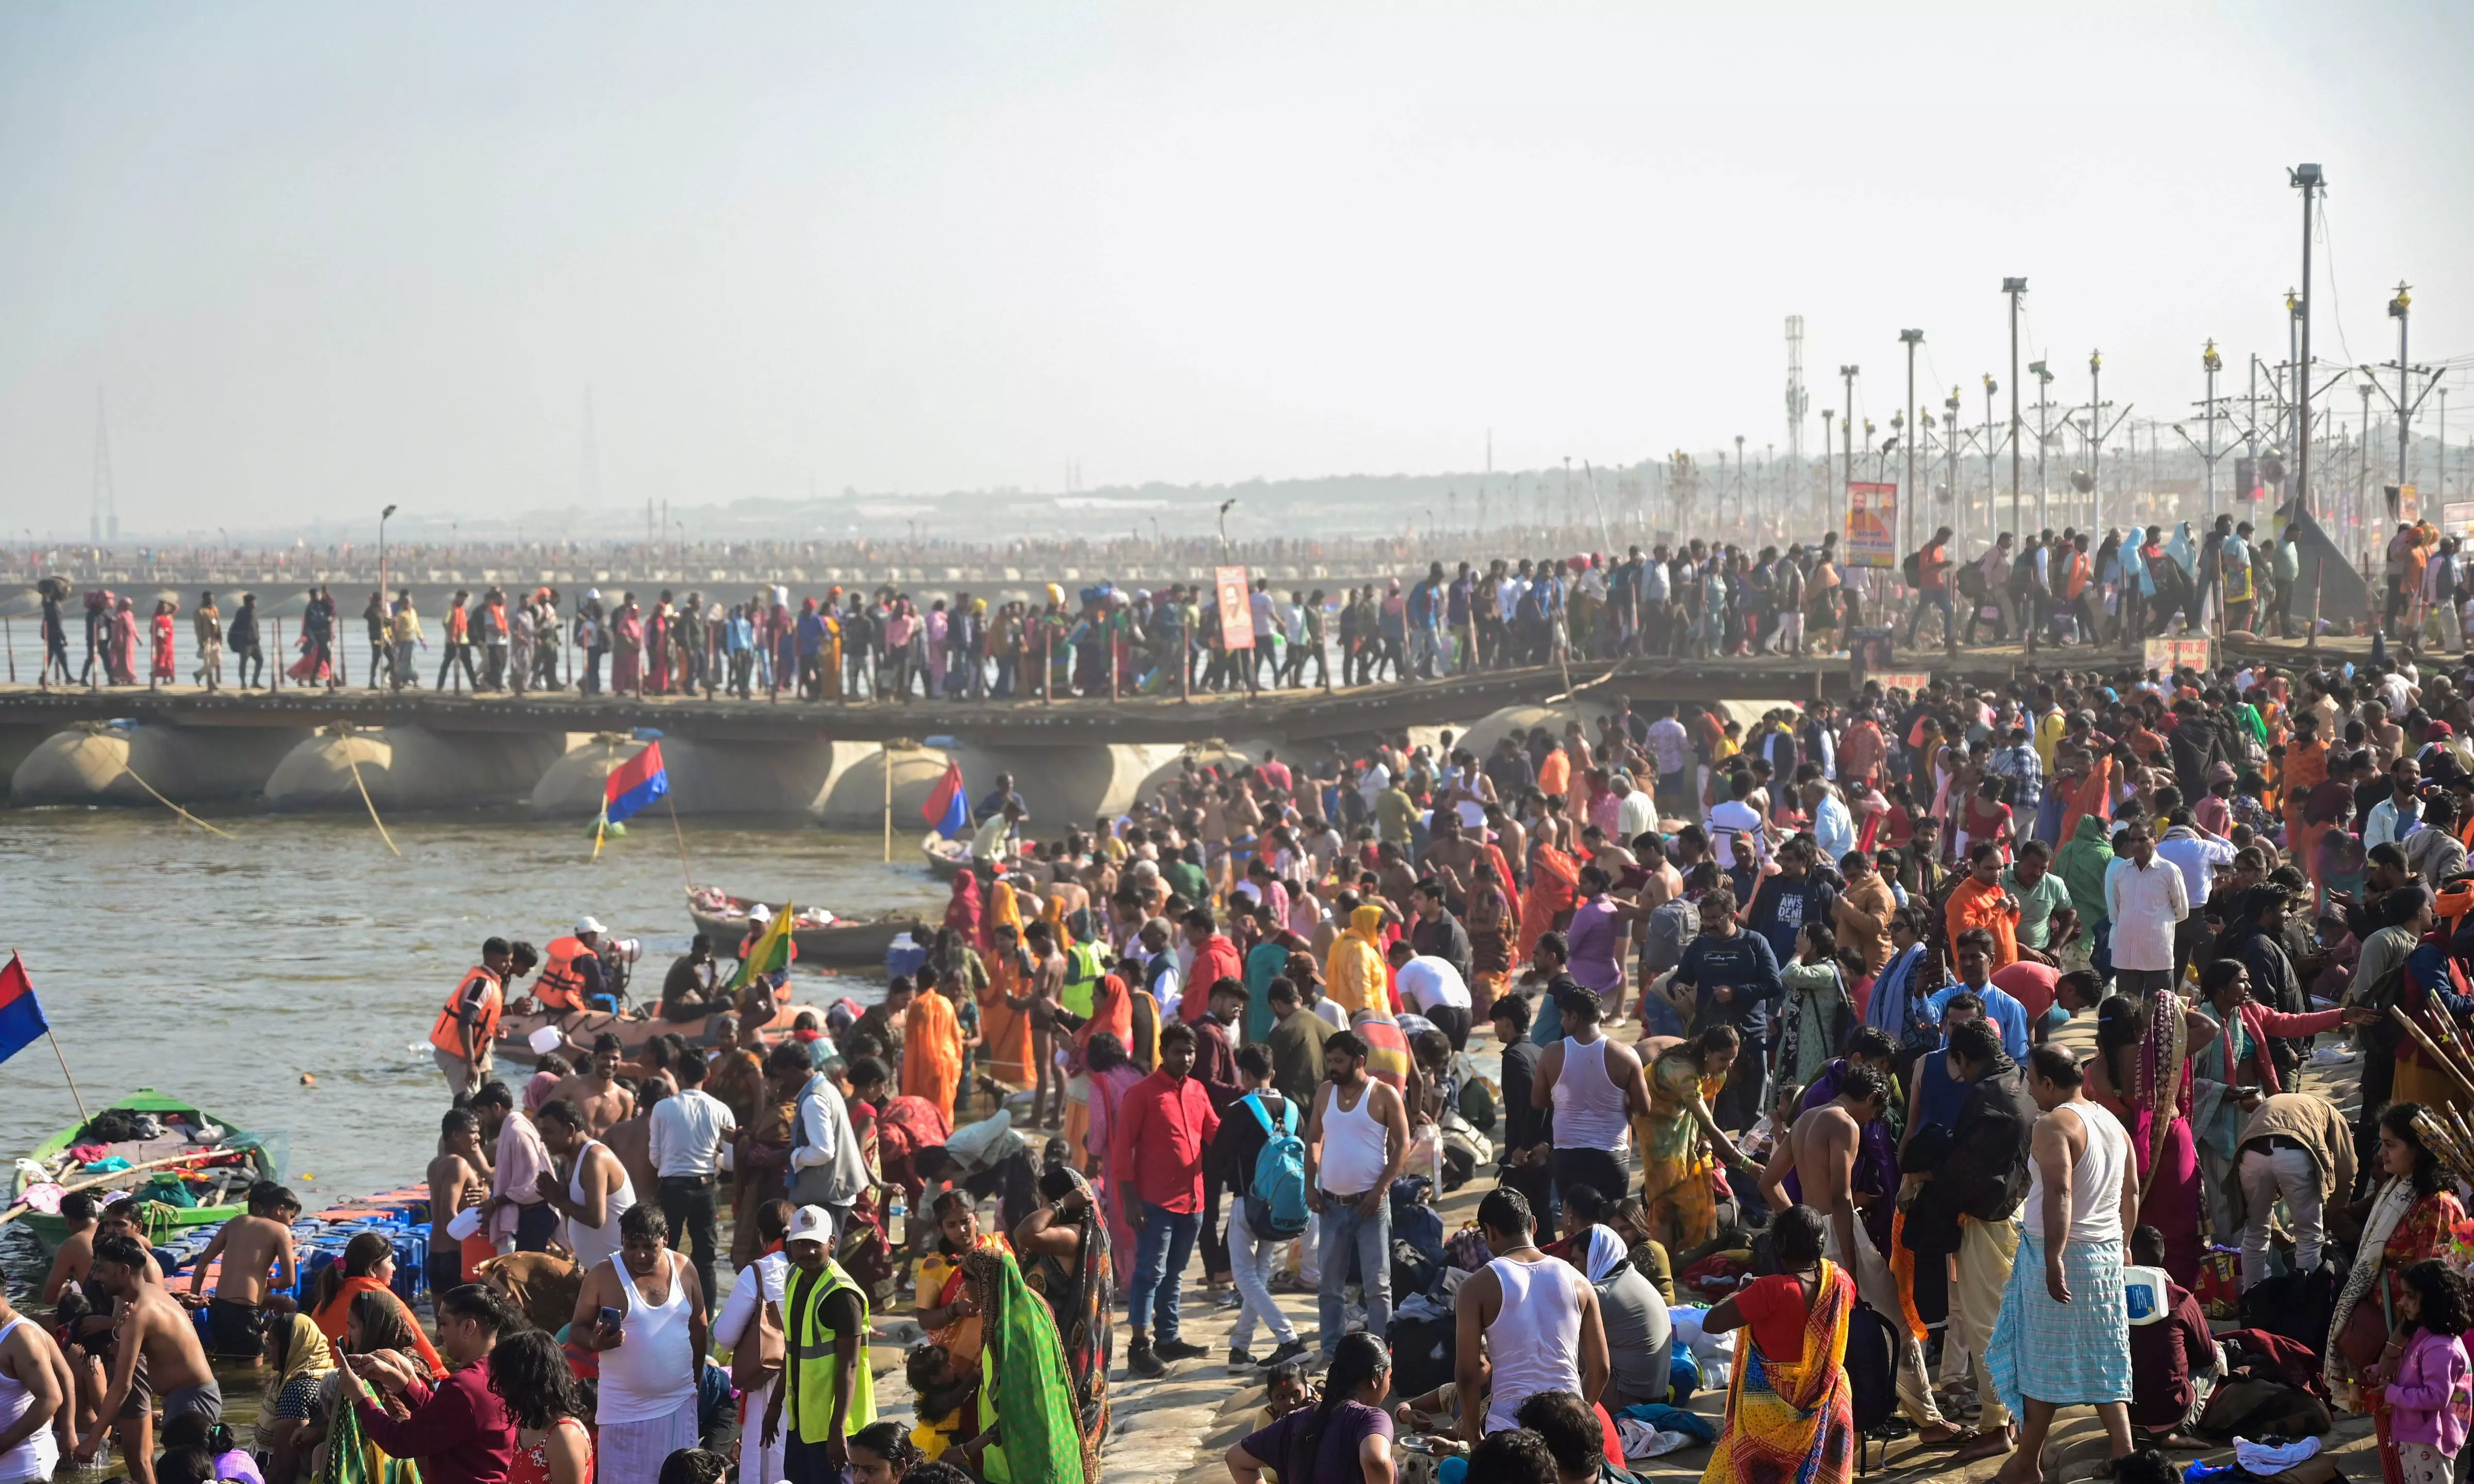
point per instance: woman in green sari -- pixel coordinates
(1029, 1429)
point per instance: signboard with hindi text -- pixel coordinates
(1236, 607)
(1872, 526)
(2167, 656)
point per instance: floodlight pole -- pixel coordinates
(2014, 287)
(2310, 181)
(1907, 443)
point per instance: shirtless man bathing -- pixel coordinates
(155, 1331)
(258, 1259)
(1817, 1159)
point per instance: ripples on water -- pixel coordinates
(223, 969)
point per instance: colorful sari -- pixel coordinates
(1027, 1386)
(1004, 1031)
(1554, 889)
(335, 1319)
(1792, 1421)
(1678, 1189)
(351, 1458)
(931, 1051)
(1107, 1096)
(2167, 1156)
(963, 910)
(942, 1274)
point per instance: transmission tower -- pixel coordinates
(1799, 404)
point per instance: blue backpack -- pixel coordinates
(1275, 1206)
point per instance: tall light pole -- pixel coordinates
(1847, 433)
(1907, 490)
(2096, 437)
(1829, 442)
(382, 564)
(2400, 310)
(2310, 180)
(1992, 451)
(2214, 363)
(1949, 459)
(2013, 288)
(2044, 434)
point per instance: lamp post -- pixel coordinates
(2213, 363)
(2310, 181)
(2400, 309)
(2044, 434)
(2096, 437)
(2013, 288)
(1992, 449)
(1847, 431)
(1950, 455)
(1907, 490)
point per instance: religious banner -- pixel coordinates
(1872, 526)
(1236, 607)
(2167, 656)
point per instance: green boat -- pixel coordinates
(179, 1131)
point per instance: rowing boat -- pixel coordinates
(845, 943)
(214, 1161)
(945, 857)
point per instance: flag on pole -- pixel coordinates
(772, 952)
(21, 1015)
(947, 808)
(634, 784)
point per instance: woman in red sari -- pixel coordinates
(962, 911)
(164, 609)
(1111, 1075)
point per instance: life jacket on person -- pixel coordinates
(559, 985)
(448, 1035)
(1083, 971)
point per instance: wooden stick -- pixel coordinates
(2417, 1033)
(53, 1038)
(2446, 1042)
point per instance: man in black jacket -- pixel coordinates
(1981, 1174)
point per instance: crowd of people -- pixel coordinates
(1698, 599)
(1797, 999)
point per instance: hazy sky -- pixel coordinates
(324, 257)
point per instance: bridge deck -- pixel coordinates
(1286, 713)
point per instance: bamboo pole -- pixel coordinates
(2437, 1055)
(16, 1211)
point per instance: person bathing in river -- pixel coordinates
(257, 1251)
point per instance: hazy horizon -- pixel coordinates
(320, 261)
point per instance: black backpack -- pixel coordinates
(1913, 569)
(1872, 1368)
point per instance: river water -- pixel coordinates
(223, 971)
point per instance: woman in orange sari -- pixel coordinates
(932, 1045)
(1554, 889)
(1005, 1008)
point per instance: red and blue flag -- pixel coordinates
(947, 808)
(634, 784)
(21, 1017)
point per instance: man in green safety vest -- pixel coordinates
(824, 1363)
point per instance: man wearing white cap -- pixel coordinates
(824, 1363)
(827, 1169)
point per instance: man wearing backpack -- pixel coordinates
(1927, 570)
(1260, 1157)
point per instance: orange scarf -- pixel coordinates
(333, 1320)
(931, 1051)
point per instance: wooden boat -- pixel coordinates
(582, 1027)
(847, 943)
(945, 857)
(230, 1160)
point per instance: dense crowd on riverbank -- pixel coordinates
(1844, 948)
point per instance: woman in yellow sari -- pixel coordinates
(1354, 972)
(1680, 1197)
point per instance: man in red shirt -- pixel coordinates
(1933, 590)
(1163, 1126)
(1215, 958)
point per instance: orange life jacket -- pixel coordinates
(448, 1035)
(559, 987)
(2075, 579)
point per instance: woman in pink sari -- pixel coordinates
(124, 644)
(626, 649)
(2142, 1075)
(1111, 1075)
(657, 648)
(936, 623)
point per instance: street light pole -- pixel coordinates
(2095, 438)
(1847, 432)
(2214, 364)
(1907, 490)
(2311, 182)
(2014, 287)
(2044, 435)
(2399, 310)
(1992, 451)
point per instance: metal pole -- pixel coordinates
(2014, 287)
(1907, 441)
(1992, 451)
(2400, 306)
(2310, 181)
(2096, 439)
(2211, 361)
(1847, 435)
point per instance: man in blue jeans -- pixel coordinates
(1356, 1141)
(1164, 1124)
